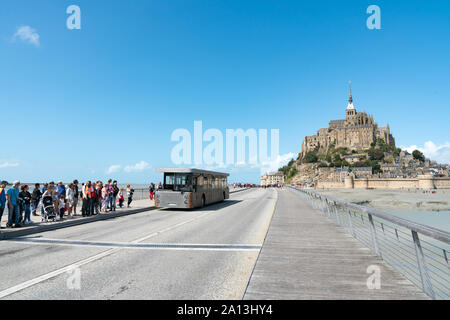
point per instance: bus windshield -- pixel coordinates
(178, 181)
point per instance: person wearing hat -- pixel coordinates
(13, 205)
(3, 185)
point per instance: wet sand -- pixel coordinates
(394, 200)
(432, 209)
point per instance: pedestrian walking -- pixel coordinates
(105, 198)
(60, 190)
(129, 195)
(36, 198)
(115, 192)
(76, 196)
(51, 186)
(51, 210)
(44, 188)
(70, 196)
(85, 200)
(121, 198)
(109, 195)
(151, 190)
(92, 193)
(98, 196)
(61, 206)
(3, 185)
(13, 205)
(25, 203)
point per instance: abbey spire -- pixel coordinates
(350, 105)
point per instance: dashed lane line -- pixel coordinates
(152, 246)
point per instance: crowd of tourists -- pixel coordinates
(93, 197)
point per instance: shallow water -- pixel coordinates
(439, 220)
(427, 208)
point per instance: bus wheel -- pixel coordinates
(203, 201)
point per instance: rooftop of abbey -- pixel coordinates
(358, 131)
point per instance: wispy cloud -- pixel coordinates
(7, 164)
(266, 166)
(279, 162)
(440, 153)
(27, 34)
(113, 168)
(140, 166)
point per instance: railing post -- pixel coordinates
(328, 208)
(351, 223)
(426, 281)
(322, 205)
(338, 217)
(374, 236)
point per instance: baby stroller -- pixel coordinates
(49, 209)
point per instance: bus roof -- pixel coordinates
(189, 170)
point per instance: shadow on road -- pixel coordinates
(211, 207)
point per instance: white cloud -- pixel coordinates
(267, 166)
(7, 164)
(279, 162)
(113, 168)
(141, 166)
(440, 153)
(27, 34)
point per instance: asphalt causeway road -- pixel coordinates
(160, 254)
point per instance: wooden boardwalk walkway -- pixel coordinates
(306, 256)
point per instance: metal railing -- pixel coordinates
(421, 253)
(140, 194)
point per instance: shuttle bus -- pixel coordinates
(191, 188)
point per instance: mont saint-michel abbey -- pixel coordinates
(356, 132)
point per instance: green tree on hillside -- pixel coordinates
(311, 157)
(376, 154)
(376, 168)
(397, 152)
(418, 155)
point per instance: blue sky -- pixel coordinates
(76, 102)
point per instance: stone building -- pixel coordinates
(391, 170)
(356, 132)
(339, 174)
(362, 172)
(272, 178)
(352, 159)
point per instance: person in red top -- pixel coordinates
(91, 198)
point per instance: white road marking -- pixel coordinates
(78, 264)
(146, 246)
(55, 273)
(169, 228)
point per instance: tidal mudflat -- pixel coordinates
(423, 207)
